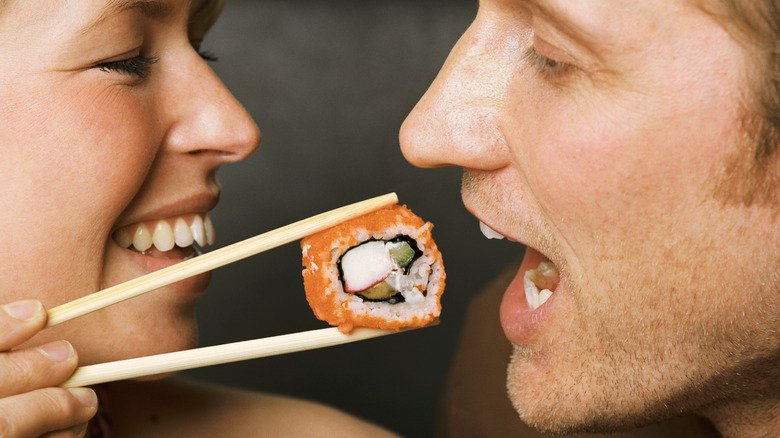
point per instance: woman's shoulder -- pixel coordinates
(182, 407)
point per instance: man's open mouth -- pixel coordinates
(177, 237)
(539, 282)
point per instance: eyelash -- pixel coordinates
(547, 66)
(207, 55)
(140, 66)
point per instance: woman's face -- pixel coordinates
(110, 120)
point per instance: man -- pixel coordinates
(631, 146)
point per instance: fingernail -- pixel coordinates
(86, 396)
(23, 310)
(59, 351)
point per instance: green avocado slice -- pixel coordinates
(402, 253)
(379, 291)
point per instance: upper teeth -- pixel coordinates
(163, 234)
(489, 232)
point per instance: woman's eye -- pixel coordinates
(139, 66)
(547, 66)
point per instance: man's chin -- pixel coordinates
(553, 404)
(532, 398)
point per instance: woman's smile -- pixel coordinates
(131, 125)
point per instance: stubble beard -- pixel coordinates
(673, 344)
(636, 381)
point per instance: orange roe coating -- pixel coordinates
(323, 295)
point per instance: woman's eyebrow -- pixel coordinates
(149, 8)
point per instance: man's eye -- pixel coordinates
(546, 66)
(139, 66)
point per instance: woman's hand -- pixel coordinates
(31, 404)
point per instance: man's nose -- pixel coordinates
(206, 118)
(457, 121)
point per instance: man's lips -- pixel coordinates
(531, 294)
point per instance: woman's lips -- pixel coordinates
(519, 320)
(156, 244)
(154, 260)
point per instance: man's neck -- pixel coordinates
(747, 419)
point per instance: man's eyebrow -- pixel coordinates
(556, 15)
(149, 8)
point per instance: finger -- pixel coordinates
(19, 321)
(73, 432)
(39, 367)
(46, 410)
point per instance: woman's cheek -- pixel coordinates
(111, 135)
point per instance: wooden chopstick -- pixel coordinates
(218, 354)
(215, 259)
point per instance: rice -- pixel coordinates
(420, 285)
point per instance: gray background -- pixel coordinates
(329, 82)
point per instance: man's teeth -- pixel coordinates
(181, 231)
(539, 283)
(489, 232)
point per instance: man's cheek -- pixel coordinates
(576, 188)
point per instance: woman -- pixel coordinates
(113, 129)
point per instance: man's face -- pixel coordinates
(595, 132)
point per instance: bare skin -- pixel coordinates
(30, 402)
(475, 401)
(594, 132)
(112, 121)
(222, 411)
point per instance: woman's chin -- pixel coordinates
(130, 351)
(134, 337)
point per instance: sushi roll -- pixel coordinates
(380, 270)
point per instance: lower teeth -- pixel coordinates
(545, 276)
(187, 253)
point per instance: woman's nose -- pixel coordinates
(206, 117)
(458, 120)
